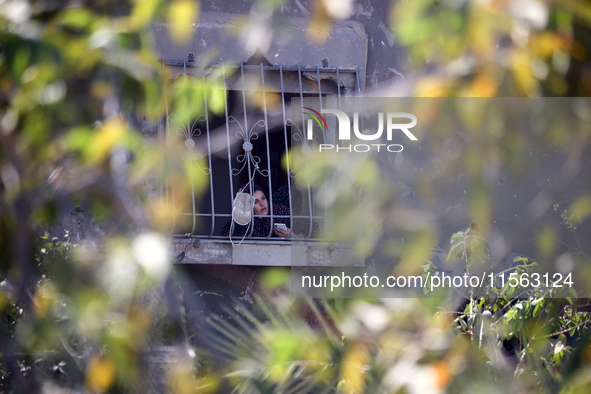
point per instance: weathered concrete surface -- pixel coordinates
(385, 56)
(271, 253)
(215, 39)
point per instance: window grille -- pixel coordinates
(245, 143)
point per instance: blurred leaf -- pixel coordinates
(581, 208)
(522, 73)
(188, 100)
(43, 299)
(545, 44)
(182, 14)
(560, 344)
(353, 369)
(104, 139)
(538, 309)
(216, 100)
(100, 374)
(79, 18)
(368, 174)
(579, 8)
(546, 242)
(274, 278)
(480, 206)
(3, 301)
(283, 347)
(143, 12)
(319, 26)
(483, 85)
(416, 252)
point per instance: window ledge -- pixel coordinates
(266, 253)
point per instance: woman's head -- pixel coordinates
(261, 204)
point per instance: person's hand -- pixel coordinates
(282, 234)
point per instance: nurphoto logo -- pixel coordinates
(395, 122)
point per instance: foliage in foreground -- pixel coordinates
(527, 342)
(518, 339)
(85, 312)
(409, 345)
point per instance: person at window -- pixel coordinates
(262, 218)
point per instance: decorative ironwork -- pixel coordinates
(190, 132)
(247, 158)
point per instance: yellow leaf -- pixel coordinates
(3, 301)
(42, 300)
(100, 374)
(320, 24)
(547, 43)
(181, 16)
(581, 208)
(143, 12)
(105, 139)
(101, 89)
(442, 374)
(353, 369)
(432, 87)
(484, 85)
(481, 30)
(216, 100)
(522, 72)
(182, 380)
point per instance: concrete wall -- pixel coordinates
(383, 59)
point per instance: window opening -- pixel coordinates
(248, 142)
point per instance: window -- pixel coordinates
(254, 129)
(249, 141)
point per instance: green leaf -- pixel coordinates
(470, 321)
(523, 260)
(538, 309)
(572, 332)
(274, 278)
(455, 236)
(79, 18)
(463, 324)
(216, 100)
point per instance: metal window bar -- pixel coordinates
(208, 150)
(250, 162)
(285, 138)
(189, 134)
(267, 145)
(304, 128)
(228, 146)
